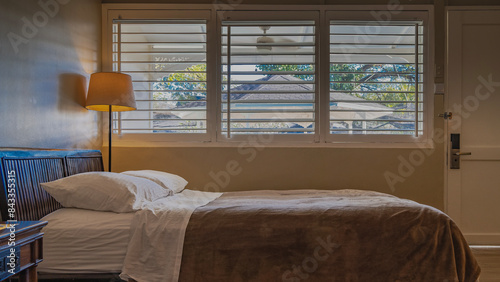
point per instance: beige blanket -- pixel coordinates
(310, 235)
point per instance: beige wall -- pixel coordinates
(45, 65)
(291, 168)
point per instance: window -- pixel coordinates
(167, 62)
(268, 77)
(309, 76)
(376, 81)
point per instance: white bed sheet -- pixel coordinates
(85, 241)
(157, 236)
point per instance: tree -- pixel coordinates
(192, 78)
(349, 79)
(274, 68)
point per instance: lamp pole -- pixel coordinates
(110, 135)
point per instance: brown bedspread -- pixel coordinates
(311, 235)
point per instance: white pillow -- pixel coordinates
(165, 179)
(105, 191)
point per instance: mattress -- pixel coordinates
(85, 241)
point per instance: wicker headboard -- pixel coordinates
(25, 170)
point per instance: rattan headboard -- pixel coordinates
(23, 171)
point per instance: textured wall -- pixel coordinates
(291, 168)
(48, 49)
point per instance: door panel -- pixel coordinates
(480, 202)
(473, 95)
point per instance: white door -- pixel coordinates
(473, 96)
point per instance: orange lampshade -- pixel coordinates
(110, 89)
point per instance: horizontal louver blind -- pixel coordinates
(167, 62)
(376, 78)
(268, 77)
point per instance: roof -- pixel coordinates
(280, 88)
(276, 91)
(269, 88)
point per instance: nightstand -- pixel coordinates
(20, 249)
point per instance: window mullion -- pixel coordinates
(213, 75)
(323, 61)
(417, 41)
(228, 87)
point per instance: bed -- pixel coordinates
(343, 235)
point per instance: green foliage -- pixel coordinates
(353, 79)
(308, 68)
(185, 82)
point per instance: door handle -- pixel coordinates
(463, 154)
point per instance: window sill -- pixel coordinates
(117, 142)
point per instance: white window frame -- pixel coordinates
(216, 12)
(269, 16)
(211, 75)
(359, 15)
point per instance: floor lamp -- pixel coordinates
(110, 92)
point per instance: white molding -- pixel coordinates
(255, 7)
(452, 177)
(136, 141)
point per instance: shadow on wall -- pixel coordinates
(72, 92)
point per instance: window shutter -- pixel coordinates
(376, 78)
(167, 62)
(268, 77)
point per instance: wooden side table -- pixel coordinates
(20, 249)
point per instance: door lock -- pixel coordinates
(455, 152)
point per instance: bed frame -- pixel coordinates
(29, 168)
(32, 167)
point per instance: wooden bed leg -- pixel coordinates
(28, 275)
